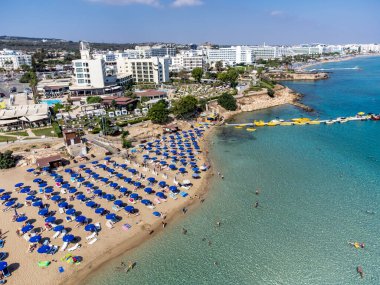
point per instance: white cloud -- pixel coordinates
(276, 13)
(128, 2)
(182, 3)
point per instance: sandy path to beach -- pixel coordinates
(111, 242)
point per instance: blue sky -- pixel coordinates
(195, 21)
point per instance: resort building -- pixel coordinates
(154, 69)
(11, 60)
(231, 55)
(93, 77)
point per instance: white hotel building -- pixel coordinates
(187, 61)
(231, 55)
(11, 60)
(93, 77)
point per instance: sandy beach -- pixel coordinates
(110, 242)
(346, 58)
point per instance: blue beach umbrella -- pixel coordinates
(123, 190)
(134, 195)
(35, 239)
(110, 197)
(111, 216)
(107, 158)
(80, 219)
(137, 184)
(151, 179)
(68, 238)
(113, 185)
(43, 249)
(58, 228)
(98, 192)
(59, 180)
(173, 188)
(90, 228)
(146, 202)
(19, 185)
(37, 204)
(27, 228)
(99, 211)
(81, 197)
(73, 175)
(118, 203)
(88, 171)
(24, 190)
(68, 170)
(148, 190)
(80, 179)
(30, 170)
(160, 194)
(90, 204)
(30, 198)
(157, 214)
(162, 183)
(37, 180)
(43, 212)
(49, 190)
(71, 212)
(50, 219)
(21, 219)
(63, 205)
(5, 197)
(104, 179)
(10, 203)
(182, 170)
(2, 190)
(82, 166)
(66, 186)
(128, 179)
(72, 190)
(129, 209)
(95, 162)
(42, 185)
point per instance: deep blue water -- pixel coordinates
(316, 184)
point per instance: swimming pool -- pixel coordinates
(51, 102)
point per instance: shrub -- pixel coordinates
(270, 92)
(57, 129)
(7, 160)
(227, 101)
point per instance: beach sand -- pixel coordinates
(111, 242)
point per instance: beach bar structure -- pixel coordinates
(52, 161)
(24, 116)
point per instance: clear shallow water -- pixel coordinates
(316, 183)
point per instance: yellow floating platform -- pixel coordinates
(251, 129)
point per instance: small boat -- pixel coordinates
(314, 122)
(375, 118)
(251, 129)
(330, 122)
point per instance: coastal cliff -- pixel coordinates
(297, 76)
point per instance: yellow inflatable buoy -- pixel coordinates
(251, 129)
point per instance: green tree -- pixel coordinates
(7, 160)
(197, 74)
(183, 75)
(25, 67)
(227, 101)
(185, 107)
(57, 129)
(126, 143)
(94, 99)
(219, 66)
(158, 113)
(202, 104)
(57, 107)
(230, 76)
(270, 92)
(113, 104)
(33, 82)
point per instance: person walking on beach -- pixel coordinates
(256, 204)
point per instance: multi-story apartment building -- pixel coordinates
(11, 60)
(154, 69)
(187, 61)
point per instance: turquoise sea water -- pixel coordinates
(316, 183)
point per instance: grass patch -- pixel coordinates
(48, 132)
(5, 139)
(19, 133)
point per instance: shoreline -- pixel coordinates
(83, 275)
(308, 65)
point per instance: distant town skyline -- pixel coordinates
(195, 21)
